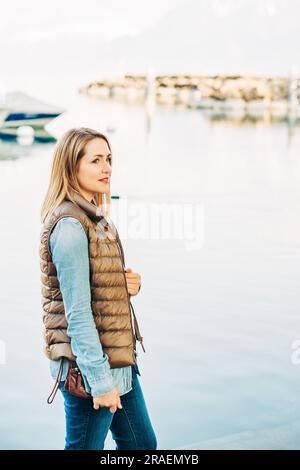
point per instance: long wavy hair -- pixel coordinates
(69, 149)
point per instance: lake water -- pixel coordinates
(218, 321)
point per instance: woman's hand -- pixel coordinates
(110, 400)
(133, 281)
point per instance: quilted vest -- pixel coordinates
(110, 300)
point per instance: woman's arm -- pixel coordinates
(69, 248)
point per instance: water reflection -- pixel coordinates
(246, 118)
(12, 150)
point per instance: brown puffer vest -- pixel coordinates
(110, 300)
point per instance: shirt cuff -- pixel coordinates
(99, 377)
(102, 386)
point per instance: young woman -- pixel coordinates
(86, 299)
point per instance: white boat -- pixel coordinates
(19, 109)
(12, 133)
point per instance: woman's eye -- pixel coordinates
(98, 159)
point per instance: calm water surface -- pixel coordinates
(218, 322)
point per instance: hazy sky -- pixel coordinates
(62, 41)
(34, 20)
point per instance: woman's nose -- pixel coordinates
(107, 167)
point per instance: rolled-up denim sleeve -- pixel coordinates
(69, 249)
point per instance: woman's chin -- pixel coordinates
(102, 191)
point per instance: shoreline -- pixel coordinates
(222, 92)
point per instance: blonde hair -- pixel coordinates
(63, 179)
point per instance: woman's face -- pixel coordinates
(94, 166)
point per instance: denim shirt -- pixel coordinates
(69, 248)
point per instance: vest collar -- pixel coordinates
(93, 211)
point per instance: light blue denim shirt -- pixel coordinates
(69, 248)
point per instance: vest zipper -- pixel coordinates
(128, 301)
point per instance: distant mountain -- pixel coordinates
(196, 36)
(210, 36)
(66, 55)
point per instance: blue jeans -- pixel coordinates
(87, 428)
